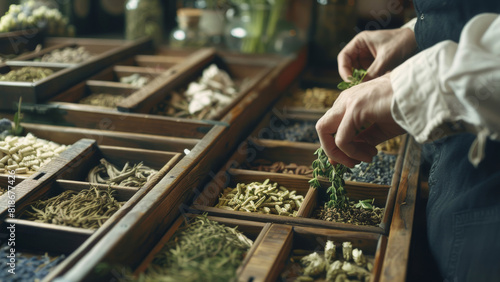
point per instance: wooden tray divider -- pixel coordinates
(269, 255)
(111, 87)
(81, 90)
(68, 114)
(395, 265)
(108, 136)
(153, 61)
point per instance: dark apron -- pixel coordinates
(463, 211)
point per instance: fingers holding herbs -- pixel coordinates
(359, 120)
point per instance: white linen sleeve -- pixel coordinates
(451, 88)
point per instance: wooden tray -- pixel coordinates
(302, 154)
(71, 74)
(253, 230)
(208, 198)
(270, 261)
(160, 207)
(64, 113)
(74, 164)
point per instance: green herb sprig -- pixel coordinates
(335, 174)
(17, 129)
(357, 77)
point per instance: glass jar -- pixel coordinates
(188, 32)
(261, 28)
(144, 18)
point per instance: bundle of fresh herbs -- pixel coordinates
(339, 208)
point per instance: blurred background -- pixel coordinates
(257, 26)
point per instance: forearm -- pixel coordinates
(451, 87)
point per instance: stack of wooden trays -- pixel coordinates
(64, 75)
(196, 159)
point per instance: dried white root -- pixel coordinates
(214, 89)
(330, 250)
(314, 264)
(358, 257)
(347, 251)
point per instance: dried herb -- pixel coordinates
(88, 208)
(130, 176)
(135, 80)
(27, 74)
(202, 250)
(278, 167)
(312, 98)
(70, 55)
(355, 214)
(102, 99)
(357, 77)
(268, 198)
(336, 263)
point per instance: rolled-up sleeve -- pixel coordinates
(451, 88)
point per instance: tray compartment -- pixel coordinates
(81, 91)
(118, 156)
(121, 194)
(209, 196)
(108, 53)
(32, 244)
(244, 73)
(271, 260)
(253, 230)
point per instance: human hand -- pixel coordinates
(359, 120)
(376, 51)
